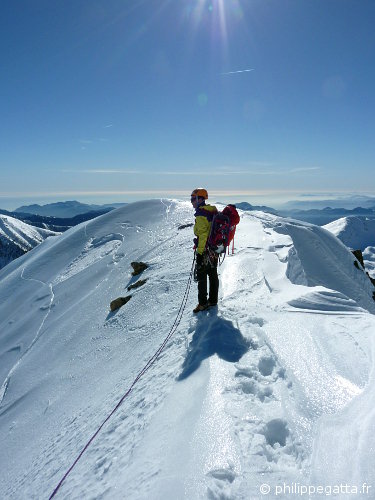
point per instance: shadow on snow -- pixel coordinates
(213, 335)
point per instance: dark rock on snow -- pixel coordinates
(138, 267)
(119, 302)
(358, 255)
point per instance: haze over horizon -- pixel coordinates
(303, 202)
(258, 101)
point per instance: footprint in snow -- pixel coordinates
(257, 321)
(223, 474)
(264, 394)
(266, 364)
(276, 431)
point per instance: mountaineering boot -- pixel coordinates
(200, 308)
(211, 304)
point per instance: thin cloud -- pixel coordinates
(273, 172)
(303, 169)
(249, 164)
(100, 171)
(169, 193)
(239, 71)
(113, 171)
(135, 192)
(219, 172)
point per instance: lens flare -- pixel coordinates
(217, 13)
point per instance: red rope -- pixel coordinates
(140, 374)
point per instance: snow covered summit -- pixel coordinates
(257, 396)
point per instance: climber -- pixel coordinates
(206, 264)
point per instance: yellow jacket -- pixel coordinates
(203, 220)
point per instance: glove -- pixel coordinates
(200, 260)
(195, 241)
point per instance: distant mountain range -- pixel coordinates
(262, 208)
(348, 202)
(318, 216)
(65, 209)
(59, 216)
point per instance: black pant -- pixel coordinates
(207, 268)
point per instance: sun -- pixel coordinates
(217, 13)
(219, 19)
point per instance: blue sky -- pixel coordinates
(122, 100)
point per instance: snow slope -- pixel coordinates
(354, 232)
(276, 386)
(17, 237)
(357, 233)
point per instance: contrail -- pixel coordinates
(240, 71)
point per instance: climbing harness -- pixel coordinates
(147, 366)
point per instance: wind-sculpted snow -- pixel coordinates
(325, 262)
(326, 301)
(95, 249)
(273, 388)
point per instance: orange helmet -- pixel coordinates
(200, 192)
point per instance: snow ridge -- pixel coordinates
(259, 391)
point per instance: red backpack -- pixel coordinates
(223, 228)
